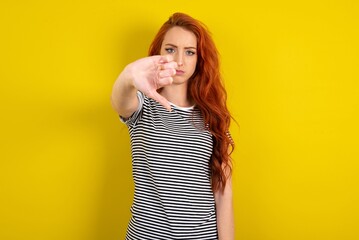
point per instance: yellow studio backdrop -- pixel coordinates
(291, 71)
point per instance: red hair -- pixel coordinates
(207, 91)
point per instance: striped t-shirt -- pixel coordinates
(170, 166)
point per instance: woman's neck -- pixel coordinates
(177, 94)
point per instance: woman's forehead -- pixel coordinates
(179, 36)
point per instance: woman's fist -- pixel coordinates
(151, 73)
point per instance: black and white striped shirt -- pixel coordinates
(170, 165)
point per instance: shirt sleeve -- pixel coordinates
(229, 137)
(133, 119)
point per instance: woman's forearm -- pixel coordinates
(225, 215)
(124, 99)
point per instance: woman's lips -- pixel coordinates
(179, 72)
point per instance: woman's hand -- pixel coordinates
(151, 73)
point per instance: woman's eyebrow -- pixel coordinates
(172, 45)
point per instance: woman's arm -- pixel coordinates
(124, 98)
(224, 210)
(146, 75)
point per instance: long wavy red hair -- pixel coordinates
(207, 91)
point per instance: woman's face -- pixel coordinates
(182, 45)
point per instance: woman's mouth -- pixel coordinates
(179, 72)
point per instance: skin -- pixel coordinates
(224, 210)
(165, 78)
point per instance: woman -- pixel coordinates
(174, 105)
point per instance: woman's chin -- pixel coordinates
(179, 79)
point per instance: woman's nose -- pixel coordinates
(179, 60)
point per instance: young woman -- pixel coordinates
(174, 105)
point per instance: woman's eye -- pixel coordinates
(190, 53)
(170, 50)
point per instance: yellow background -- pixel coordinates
(291, 70)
